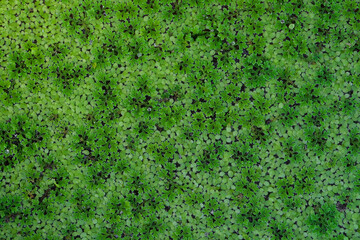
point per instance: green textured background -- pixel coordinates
(179, 120)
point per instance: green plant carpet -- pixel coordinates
(179, 119)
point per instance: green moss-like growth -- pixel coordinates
(179, 119)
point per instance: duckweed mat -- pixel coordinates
(179, 119)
